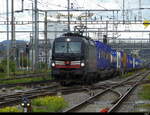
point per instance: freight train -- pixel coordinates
(81, 59)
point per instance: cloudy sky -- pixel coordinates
(77, 4)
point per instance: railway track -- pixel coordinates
(107, 89)
(117, 105)
(16, 98)
(24, 76)
(26, 83)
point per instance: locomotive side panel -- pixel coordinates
(92, 57)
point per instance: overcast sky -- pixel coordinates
(77, 4)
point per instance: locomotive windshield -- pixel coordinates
(68, 47)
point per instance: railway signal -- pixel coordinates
(26, 105)
(27, 48)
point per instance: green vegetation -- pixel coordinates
(3, 66)
(24, 61)
(10, 109)
(42, 65)
(145, 92)
(42, 104)
(145, 95)
(143, 108)
(25, 80)
(48, 104)
(127, 74)
(148, 77)
(19, 87)
(13, 70)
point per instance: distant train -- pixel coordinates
(81, 59)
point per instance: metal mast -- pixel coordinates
(46, 44)
(36, 34)
(7, 18)
(68, 15)
(123, 11)
(12, 30)
(140, 12)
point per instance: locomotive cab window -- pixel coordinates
(68, 47)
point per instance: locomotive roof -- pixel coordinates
(76, 35)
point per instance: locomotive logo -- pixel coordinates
(67, 63)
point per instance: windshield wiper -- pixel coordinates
(63, 50)
(71, 50)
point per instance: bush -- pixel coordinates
(145, 92)
(10, 109)
(3, 66)
(42, 65)
(48, 104)
(24, 61)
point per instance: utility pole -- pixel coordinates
(68, 15)
(45, 34)
(123, 11)
(22, 5)
(86, 21)
(32, 39)
(140, 12)
(7, 18)
(12, 30)
(36, 35)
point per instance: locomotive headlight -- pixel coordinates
(82, 64)
(22, 104)
(28, 104)
(68, 39)
(53, 64)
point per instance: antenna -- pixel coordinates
(68, 15)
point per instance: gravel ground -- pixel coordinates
(133, 103)
(100, 103)
(94, 105)
(106, 100)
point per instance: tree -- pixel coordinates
(3, 66)
(24, 61)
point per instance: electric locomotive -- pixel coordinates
(80, 59)
(73, 58)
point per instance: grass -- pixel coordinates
(145, 95)
(11, 74)
(19, 87)
(42, 104)
(10, 109)
(148, 77)
(144, 106)
(145, 92)
(3, 75)
(48, 104)
(25, 80)
(127, 74)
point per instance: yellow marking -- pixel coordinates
(146, 23)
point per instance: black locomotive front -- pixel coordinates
(68, 59)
